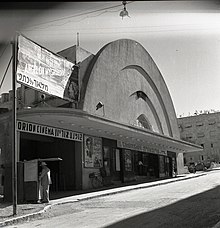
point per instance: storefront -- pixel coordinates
(133, 134)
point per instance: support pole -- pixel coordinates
(14, 130)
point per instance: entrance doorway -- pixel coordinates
(41, 147)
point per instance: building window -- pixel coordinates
(211, 145)
(202, 145)
(202, 158)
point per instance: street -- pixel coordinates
(192, 203)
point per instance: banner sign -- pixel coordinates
(93, 152)
(42, 70)
(132, 146)
(49, 131)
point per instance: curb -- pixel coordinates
(217, 225)
(136, 187)
(24, 217)
(36, 214)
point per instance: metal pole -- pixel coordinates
(14, 131)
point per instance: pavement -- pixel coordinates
(26, 212)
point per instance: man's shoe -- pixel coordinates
(45, 201)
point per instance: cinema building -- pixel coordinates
(123, 119)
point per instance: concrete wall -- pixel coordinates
(119, 70)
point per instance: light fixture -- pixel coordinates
(124, 12)
(100, 105)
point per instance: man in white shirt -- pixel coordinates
(45, 181)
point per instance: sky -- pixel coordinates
(182, 37)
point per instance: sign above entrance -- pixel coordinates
(141, 148)
(42, 70)
(48, 131)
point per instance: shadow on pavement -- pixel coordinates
(62, 194)
(199, 211)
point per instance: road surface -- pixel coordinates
(192, 203)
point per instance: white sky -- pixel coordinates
(183, 38)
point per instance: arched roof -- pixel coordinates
(118, 71)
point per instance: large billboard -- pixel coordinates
(44, 71)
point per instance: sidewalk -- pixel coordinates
(27, 211)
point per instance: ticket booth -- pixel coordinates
(31, 173)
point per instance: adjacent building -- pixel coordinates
(122, 120)
(202, 129)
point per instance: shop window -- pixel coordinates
(162, 165)
(106, 160)
(117, 160)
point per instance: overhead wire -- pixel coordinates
(7, 44)
(78, 15)
(5, 72)
(69, 21)
(132, 32)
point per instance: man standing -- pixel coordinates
(45, 181)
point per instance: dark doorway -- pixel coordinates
(41, 147)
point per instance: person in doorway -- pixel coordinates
(45, 181)
(140, 167)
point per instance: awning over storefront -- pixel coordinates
(82, 122)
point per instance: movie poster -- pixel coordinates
(93, 152)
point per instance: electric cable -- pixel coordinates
(4, 50)
(5, 72)
(80, 14)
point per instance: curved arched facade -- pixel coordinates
(119, 70)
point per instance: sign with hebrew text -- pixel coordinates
(41, 69)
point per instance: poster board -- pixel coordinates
(127, 160)
(30, 171)
(93, 152)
